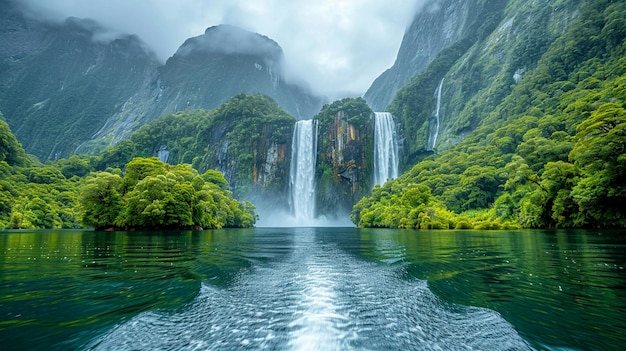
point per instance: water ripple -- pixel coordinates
(319, 299)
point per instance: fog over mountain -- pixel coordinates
(338, 47)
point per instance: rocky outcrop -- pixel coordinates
(345, 156)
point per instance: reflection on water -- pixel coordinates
(560, 289)
(320, 298)
(306, 288)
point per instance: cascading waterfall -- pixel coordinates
(434, 131)
(385, 148)
(302, 176)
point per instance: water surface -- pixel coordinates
(313, 288)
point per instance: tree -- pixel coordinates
(600, 154)
(101, 200)
(155, 195)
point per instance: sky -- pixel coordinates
(338, 46)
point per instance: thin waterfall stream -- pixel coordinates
(434, 130)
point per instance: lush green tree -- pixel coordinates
(600, 154)
(101, 200)
(11, 150)
(153, 194)
(139, 168)
(75, 165)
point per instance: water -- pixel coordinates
(434, 130)
(302, 174)
(385, 148)
(313, 288)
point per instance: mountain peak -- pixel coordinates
(229, 40)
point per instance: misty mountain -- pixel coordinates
(72, 87)
(59, 82)
(438, 26)
(458, 61)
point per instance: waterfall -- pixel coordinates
(163, 154)
(434, 131)
(302, 176)
(385, 148)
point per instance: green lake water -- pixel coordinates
(313, 288)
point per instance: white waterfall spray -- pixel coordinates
(302, 176)
(385, 148)
(434, 131)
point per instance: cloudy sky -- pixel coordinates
(338, 46)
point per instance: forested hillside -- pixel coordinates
(543, 145)
(247, 139)
(143, 193)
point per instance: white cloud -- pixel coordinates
(338, 46)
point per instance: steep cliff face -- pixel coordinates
(433, 29)
(466, 81)
(525, 122)
(252, 150)
(344, 171)
(70, 88)
(59, 82)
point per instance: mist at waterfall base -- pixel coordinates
(300, 211)
(272, 217)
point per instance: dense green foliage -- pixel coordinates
(345, 149)
(11, 150)
(153, 194)
(148, 194)
(551, 153)
(33, 195)
(239, 138)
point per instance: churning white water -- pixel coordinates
(385, 148)
(302, 173)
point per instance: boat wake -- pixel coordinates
(321, 298)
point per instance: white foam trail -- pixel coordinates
(316, 297)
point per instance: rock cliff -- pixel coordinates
(344, 171)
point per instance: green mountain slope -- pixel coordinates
(532, 126)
